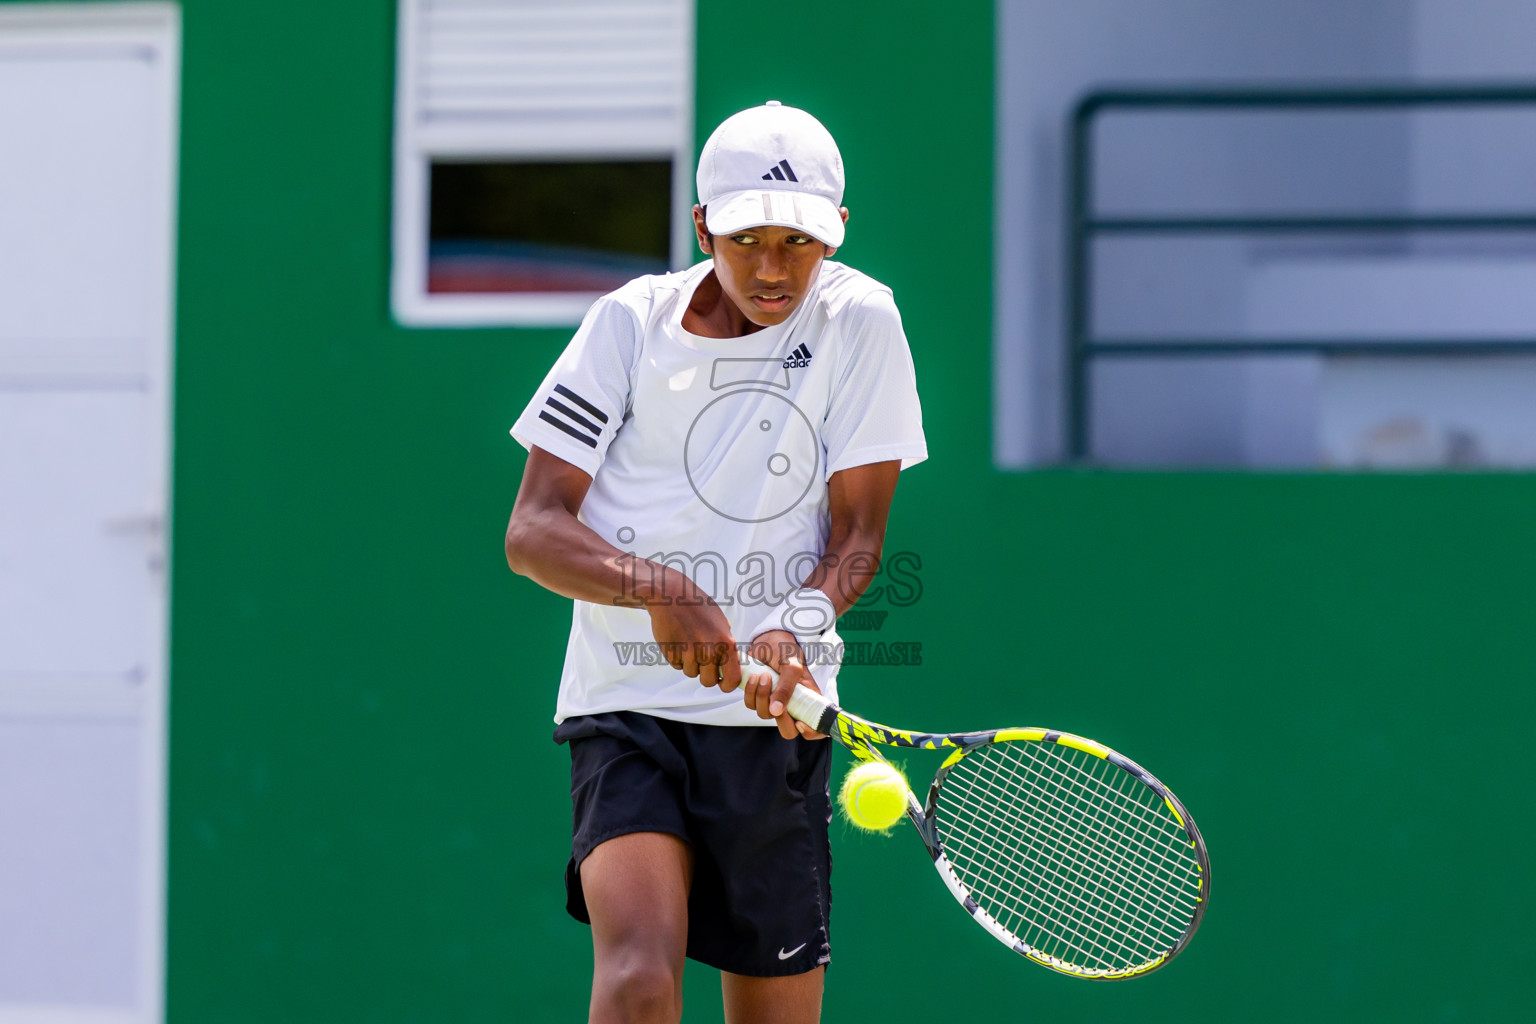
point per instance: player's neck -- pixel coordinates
(711, 314)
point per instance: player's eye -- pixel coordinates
(799, 239)
(744, 239)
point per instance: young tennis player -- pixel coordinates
(711, 463)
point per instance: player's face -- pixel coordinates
(765, 271)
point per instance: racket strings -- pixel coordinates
(1093, 939)
(1067, 879)
(1098, 938)
(1105, 872)
(1069, 852)
(1114, 842)
(1104, 868)
(1086, 938)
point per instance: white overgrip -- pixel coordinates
(808, 706)
(805, 704)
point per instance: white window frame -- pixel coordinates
(416, 145)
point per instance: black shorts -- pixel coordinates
(753, 806)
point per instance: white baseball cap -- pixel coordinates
(772, 165)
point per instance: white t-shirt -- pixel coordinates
(712, 455)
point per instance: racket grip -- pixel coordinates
(805, 704)
(812, 708)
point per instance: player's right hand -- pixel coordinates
(769, 697)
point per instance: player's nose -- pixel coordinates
(773, 267)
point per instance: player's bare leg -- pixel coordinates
(795, 999)
(636, 888)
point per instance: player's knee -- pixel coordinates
(643, 987)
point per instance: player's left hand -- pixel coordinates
(780, 651)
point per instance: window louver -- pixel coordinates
(551, 74)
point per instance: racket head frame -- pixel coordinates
(861, 737)
(1198, 854)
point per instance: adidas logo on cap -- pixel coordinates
(780, 171)
(801, 356)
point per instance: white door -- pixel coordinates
(88, 110)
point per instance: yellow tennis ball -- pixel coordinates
(873, 795)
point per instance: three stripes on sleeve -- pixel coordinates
(580, 424)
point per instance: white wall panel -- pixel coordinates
(88, 138)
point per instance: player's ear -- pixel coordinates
(843, 212)
(701, 230)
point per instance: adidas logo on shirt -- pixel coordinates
(801, 356)
(569, 420)
(780, 172)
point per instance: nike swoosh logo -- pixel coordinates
(785, 956)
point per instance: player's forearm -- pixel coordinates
(849, 564)
(557, 551)
(552, 547)
(861, 504)
(840, 577)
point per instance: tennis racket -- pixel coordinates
(1069, 853)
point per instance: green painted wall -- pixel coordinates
(368, 818)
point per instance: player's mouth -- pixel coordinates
(771, 302)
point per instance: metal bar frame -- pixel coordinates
(1083, 226)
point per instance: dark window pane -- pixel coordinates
(584, 226)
